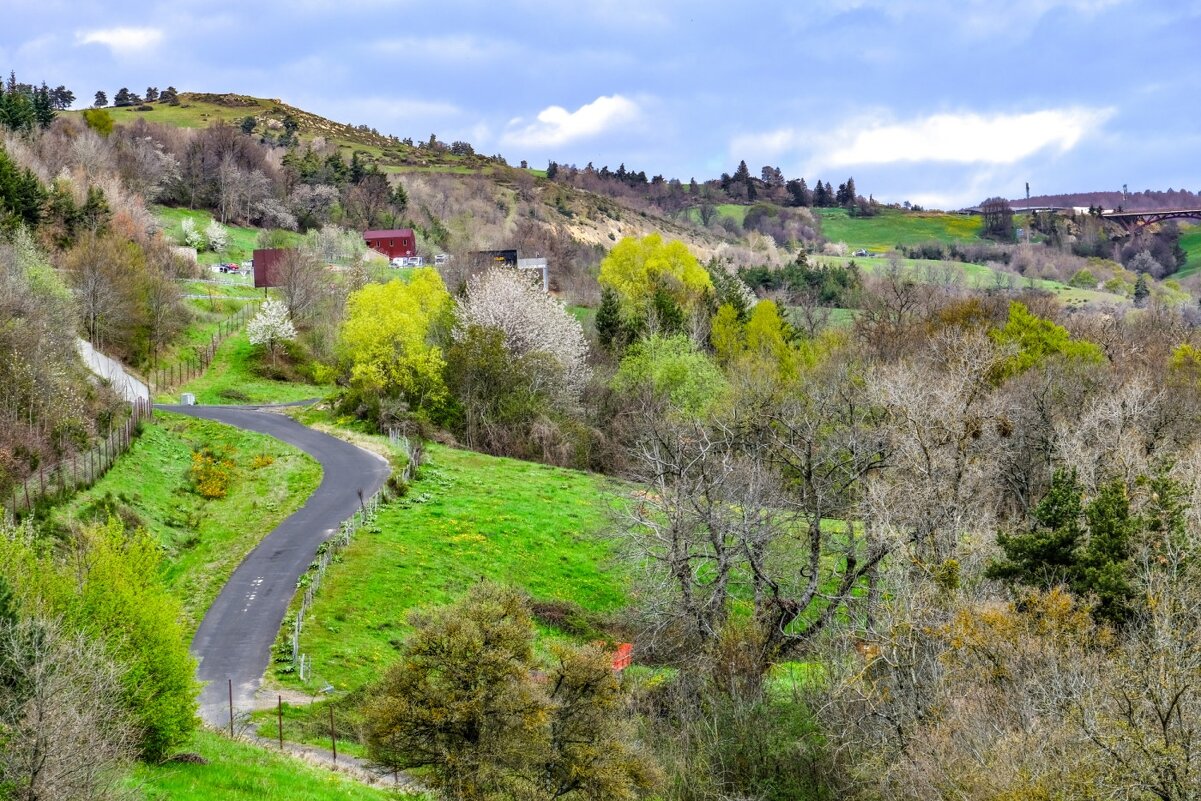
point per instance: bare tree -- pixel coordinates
(62, 723)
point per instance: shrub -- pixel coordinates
(211, 473)
(262, 460)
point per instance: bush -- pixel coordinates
(211, 473)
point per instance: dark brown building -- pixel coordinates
(266, 263)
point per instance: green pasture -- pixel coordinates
(468, 518)
(202, 540)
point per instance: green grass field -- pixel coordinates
(242, 241)
(977, 276)
(1190, 241)
(231, 379)
(892, 227)
(238, 771)
(469, 517)
(203, 540)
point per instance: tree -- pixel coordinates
(65, 732)
(151, 94)
(998, 218)
(271, 327)
(106, 583)
(463, 701)
(1086, 547)
(169, 96)
(248, 124)
(639, 270)
(217, 236)
(670, 371)
(388, 340)
(123, 98)
(62, 97)
(305, 285)
(1036, 340)
(531, 321)
(101, 100)
(1141, 290)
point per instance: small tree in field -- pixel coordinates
(271, 327)
(192, 237)
(217, 236)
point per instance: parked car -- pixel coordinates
(399, 261)
(860, 252)
(229, 267)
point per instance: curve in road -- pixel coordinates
(235, 637)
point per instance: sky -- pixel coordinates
(941, 103)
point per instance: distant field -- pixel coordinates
(978, 276)
(468, 518)
(892, 227)
(1190, 241)
(202, 540)
(242, 241)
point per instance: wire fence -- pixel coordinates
(194, 364)
(310, 582)
(82, 470)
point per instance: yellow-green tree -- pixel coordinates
(640, 270)
(387, 340)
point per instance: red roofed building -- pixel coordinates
(392, 243)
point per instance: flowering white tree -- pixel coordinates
(271, 327)
(217, 235)
(191, 236)
(531, 321)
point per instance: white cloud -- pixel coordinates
(969, 138)
(556, 125)
(122, 39)
(951, 138)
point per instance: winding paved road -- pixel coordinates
(235, 638)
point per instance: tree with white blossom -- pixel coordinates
(217, 236)
(271, 327)
(531, 320)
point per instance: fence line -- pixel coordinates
(192, 367)
(82, 469)
(310, 582)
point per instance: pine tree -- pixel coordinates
(1141, 290)
(151, 94)
(608, 321)
(122, 98)
(101, 100)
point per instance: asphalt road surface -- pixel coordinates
(235, 638)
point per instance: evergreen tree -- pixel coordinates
(43, 107)
(1141, 290)
(742, 174)
(122, 98)
(1045, 554)
(609, 326)
(248, 124)
(151, 94)
(169, 96)
(101, 100)
(851, 195)
(552, 170)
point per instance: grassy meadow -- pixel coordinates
(892, 227)
(238, 771)
(231, 378)
(242, 241)
(202, 540)
(1190, 242)
(468, 517)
